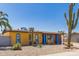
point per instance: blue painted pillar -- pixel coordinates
(44, 38)
(57, 39)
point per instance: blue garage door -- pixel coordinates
(57, 40)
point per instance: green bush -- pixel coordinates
(40, 46)
(16, 46)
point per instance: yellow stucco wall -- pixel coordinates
(7, 34)
(24, 37)
(40, 38)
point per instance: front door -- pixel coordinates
(30, 39)
(18, 39)
(52, 39)
(37, 38)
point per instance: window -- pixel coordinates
(48, 37)
(36, 36)
(52, 38)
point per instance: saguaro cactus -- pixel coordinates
(71, 21)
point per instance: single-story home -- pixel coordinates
(29, 38)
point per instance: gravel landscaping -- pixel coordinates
(33, 51)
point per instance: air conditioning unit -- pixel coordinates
(31, 29)
(23, 28)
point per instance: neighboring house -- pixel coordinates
(65, 37)
(35, 37)
(74, 37)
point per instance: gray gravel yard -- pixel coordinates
(33, 51)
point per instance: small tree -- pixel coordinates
(71, 21)
(4, 21)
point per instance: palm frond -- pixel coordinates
(9, 26)
(5, 14)
(3, 24)
(1, 13)
(4, 19)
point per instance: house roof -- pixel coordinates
(28, 31)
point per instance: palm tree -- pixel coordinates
(71, 21)
(4, 21)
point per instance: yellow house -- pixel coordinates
(23, 36)
(35, 37)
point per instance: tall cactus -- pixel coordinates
(71, 21)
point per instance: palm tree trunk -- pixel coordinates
(69, 38)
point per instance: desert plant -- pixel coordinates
(71, 22)
(16, 46)
(40, 45)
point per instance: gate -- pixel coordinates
(5, 41)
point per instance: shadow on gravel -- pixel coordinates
(71, 48)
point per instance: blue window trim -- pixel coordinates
(18, 38)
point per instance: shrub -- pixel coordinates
(16, 46)
(40, 46)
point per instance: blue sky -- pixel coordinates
(43, 17)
